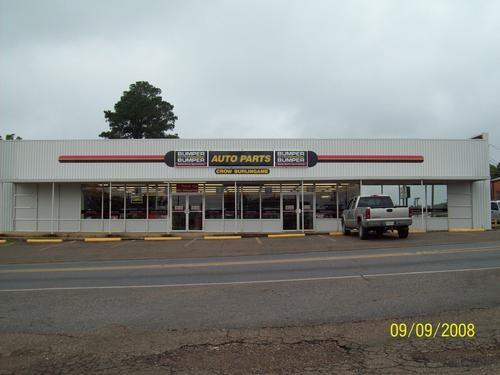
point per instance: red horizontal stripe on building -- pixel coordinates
(111, 158)
(371, 158)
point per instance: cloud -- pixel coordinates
(255, 68)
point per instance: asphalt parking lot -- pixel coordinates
(76, 250)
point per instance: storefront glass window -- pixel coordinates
(346, 191)
(251, 202)
(415, 199)
(117, 201)
(158, 201)
(229, 209)
(326, 201)
(136, 202)
(213, 201)
(393, 192)
(91, 202)
(437, 200)
(270, 198)
(371, 189)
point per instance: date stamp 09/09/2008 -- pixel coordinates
(432, 330)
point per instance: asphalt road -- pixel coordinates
(250, 291)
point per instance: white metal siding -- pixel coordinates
(459, 205)
(37, 161)
(481, 210)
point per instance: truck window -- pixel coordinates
(376, 202)
(494, 206)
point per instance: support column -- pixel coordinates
(52, 210)
(302, 204)
(235, 206)
(422, 206)
(109, 218)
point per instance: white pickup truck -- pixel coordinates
(377, 213)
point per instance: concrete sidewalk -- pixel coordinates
(21, 252)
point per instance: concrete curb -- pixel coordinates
(286, 235)
(44, 240)
(336, 233)
(456, 230)
(162, 238)
(222, 237)
(102, 239)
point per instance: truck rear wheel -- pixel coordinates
(403, 232)
(363, 232)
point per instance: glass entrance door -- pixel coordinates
(195, 212)
(290, 211)
(298, 214)
(307, 213)
(187, 212)
(179, 209)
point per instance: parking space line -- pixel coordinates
(328, 238)
(118, 244)
(258, 240)
(190, 242)
(52, 246)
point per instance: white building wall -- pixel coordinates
(37, 161)
(481, 210)
(459, 205)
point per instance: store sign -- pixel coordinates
(240, 159)
(186, 188)
(291, 159)
(190, 158)
(242, 171)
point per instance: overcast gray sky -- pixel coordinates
(428, 69)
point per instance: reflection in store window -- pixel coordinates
(93, 197)
(346, 191)
(326, 201)
(117, 201)
(437, 200)
(270, 197)
(158, 201)
(136, 202)
(251, 204)
(213, 204)
(371, 189)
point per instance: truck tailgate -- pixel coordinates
(390, 213)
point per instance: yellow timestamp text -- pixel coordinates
(432, 330)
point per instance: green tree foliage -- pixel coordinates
(494, 171)
(10, 137)
(140, 113)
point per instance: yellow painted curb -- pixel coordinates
(162, 238)
(222, 237)
(465, 230)
(336, 233)
(44, 240)
(417, 231)
(102, 239)
(286, 235)
(3, 241)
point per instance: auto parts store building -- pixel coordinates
(237, 185)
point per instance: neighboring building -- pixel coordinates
(237, 185)
(495, 189)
